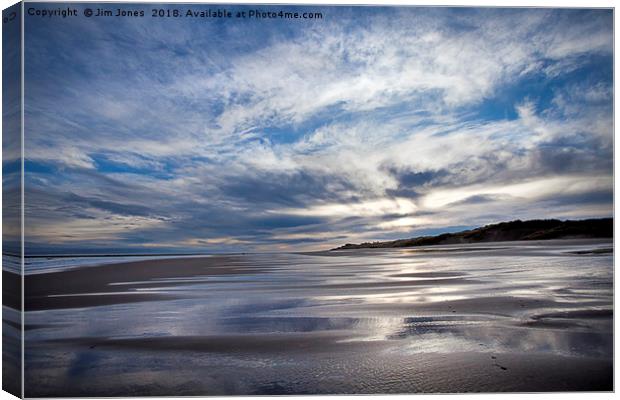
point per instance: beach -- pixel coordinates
(499, 317)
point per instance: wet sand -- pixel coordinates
(388, 321)
(370, 369)
(75, 288)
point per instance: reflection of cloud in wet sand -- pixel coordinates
(375, 322)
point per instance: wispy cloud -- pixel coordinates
(243, 135)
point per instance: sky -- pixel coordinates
(371, 123)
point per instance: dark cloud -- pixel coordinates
(284, 221)
(295, 189)
(598, 197)
(411, 179)
(411, 184)
(480, 199)
(561, 158)
(116, 208)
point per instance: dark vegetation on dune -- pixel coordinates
(537, 229)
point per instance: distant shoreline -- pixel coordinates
(112, 255)
(517, 230)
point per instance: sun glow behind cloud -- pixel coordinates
(374, 123)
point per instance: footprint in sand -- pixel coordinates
(497, 365)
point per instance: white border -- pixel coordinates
(479, 3)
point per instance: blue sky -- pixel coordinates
(373, 123)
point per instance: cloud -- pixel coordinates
(236, 136)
